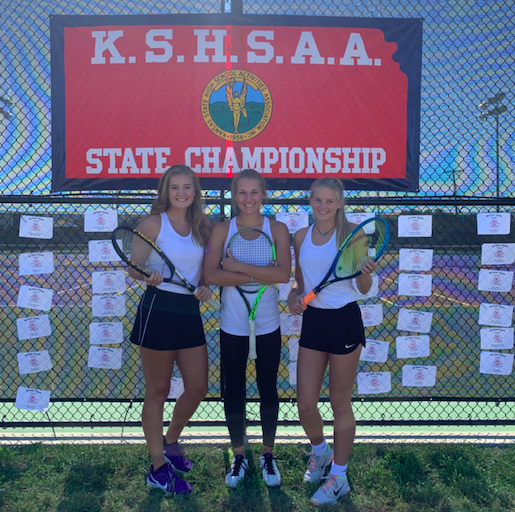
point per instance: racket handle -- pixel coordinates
(211, 302)
(252, 339)
(309, 297)
(214, 304)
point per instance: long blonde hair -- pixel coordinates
(195, 213)
(250, 174)
(342, 224)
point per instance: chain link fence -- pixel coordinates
(467, 166)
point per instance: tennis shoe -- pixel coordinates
(166, 480)
(271, 475)
(331, 490)
(316, 466)
(173, 455)
(238, 470)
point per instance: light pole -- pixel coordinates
(496, 111)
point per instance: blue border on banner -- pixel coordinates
(407, 31)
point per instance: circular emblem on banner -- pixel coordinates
(236, 105)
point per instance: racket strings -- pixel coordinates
(257, 252)
(142, 254)
(364, 245)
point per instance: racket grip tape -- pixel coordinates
(309, 297)
(214, 304)
(252, 339)
(211, 302)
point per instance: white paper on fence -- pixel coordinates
(374, 289)
(33, 327)
(496, 363)
(100, 220)
(294, 220)
(36, 227)
(412, 346)
(418, 376)
(32, 297)
(36, 263)
(359, 217)
(291, 324)
(495, 281)
(415, 259)
(32, 399)
(101, 251)
(108, 305)
(110, 281)
(415, 225)
(374, 382)
(293, 345)
(497, 254)
(34, 362)
(414, 320)
(284, 290)
(101, 333)
(493, 223)
(292, 373)
(375, 350)
(415, 284)
(495, 314)
(176, 387)
(496, 338)
(371, 314)
(103, 357)
(292, 254)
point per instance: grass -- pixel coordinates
(389, 477)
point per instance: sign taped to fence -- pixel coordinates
(296, 98)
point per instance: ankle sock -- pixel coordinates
(320, 449)
(338, 469)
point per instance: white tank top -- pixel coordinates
(234, 318)
(315, 261)
(183, 252)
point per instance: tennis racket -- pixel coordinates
(254, 247)
(367, 241)
(144, 256)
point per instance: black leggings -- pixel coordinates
(234, 352)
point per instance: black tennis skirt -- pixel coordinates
(167, 321)
(336, 331)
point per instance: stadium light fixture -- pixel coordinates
(496, 112)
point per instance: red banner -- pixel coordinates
(293, 102)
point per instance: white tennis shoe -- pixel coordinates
(237, 471)
(271, 475)
(316, 466)
(331, 491)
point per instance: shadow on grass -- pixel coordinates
(279, 500)
(156, 498)
(346, 503)
(406, 467)
(411, 475)
(458, 468)
(85, 487)
(10, 468)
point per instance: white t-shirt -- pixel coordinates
(315, 261)
(183, 252)
(234, 317)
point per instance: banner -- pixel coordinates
(296, 98)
